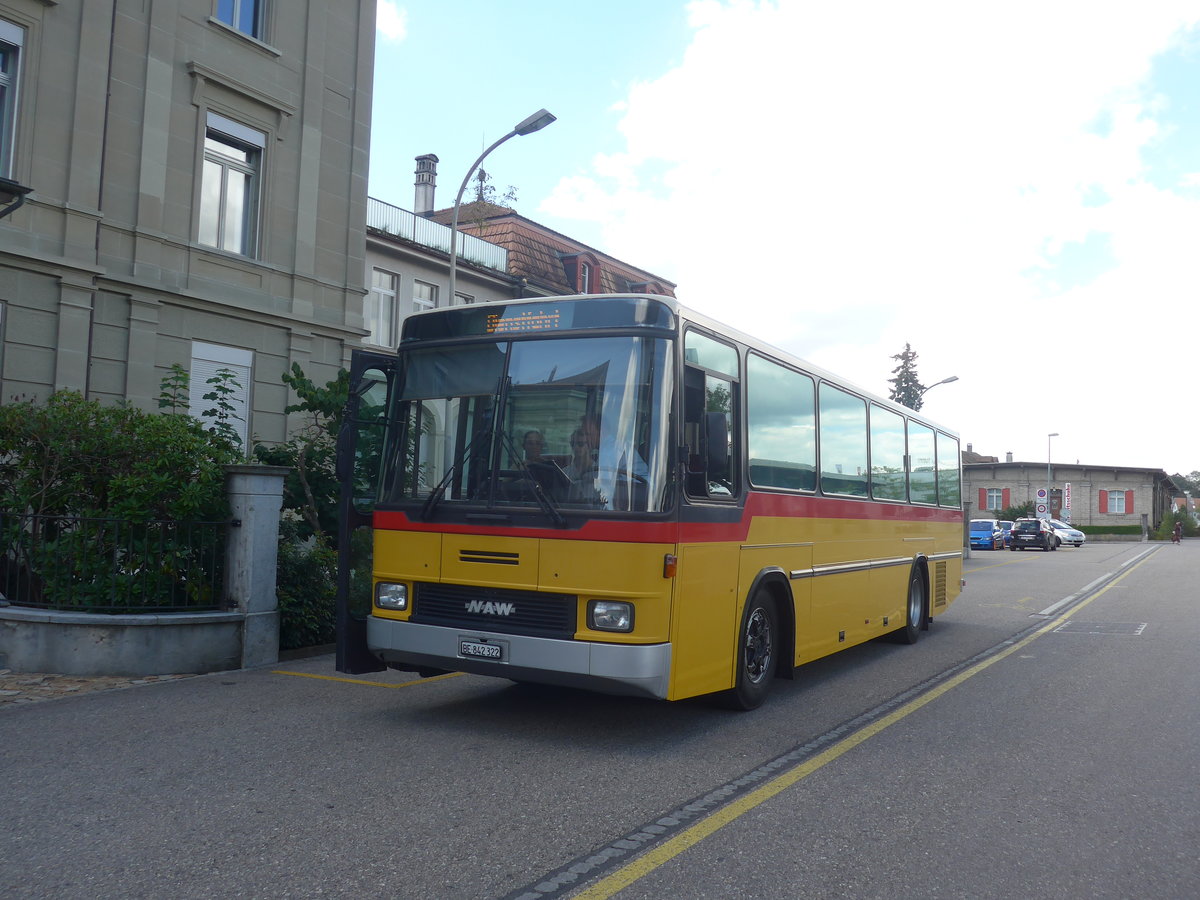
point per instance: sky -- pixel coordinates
(1011, 189)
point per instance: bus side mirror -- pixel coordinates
(716, 434)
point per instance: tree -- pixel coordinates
(485, 191)
(906, 388)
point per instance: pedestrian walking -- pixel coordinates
(1177, 534)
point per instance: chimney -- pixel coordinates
(1008, 456)
(970, 448)
(426, 184)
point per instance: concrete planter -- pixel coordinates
(247, 634)
(72, 643)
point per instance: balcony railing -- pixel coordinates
(410, 227)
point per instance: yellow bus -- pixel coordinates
(619, 494)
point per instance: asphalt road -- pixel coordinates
(1026, 746)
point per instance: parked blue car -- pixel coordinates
(986, 534)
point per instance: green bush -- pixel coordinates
(1109, 529)
(307, 585)
(306, 588)
(79, 459)
(73, 456)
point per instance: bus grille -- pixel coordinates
(495, 609)
(939, 585)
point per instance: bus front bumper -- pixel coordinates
(640, 670)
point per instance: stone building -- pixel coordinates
(197, 175)
(1081, 494)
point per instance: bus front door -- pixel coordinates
(359, 453)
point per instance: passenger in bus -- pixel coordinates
(581, 470)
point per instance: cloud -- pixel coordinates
(848, 177)
(391, 21)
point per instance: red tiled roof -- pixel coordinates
(543, 256)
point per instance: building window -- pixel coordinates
(425, 296)
(244, 15)
(229, 186)
(585, 278)
(995, 499)
(12, 39)
(379, 308)
(1119, 503)
(208, 361)
(461, 299)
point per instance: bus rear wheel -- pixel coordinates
(758, 644)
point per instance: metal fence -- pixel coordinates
(111, 565)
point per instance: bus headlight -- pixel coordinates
(391, 596)
(610, 615)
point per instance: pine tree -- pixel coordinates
(906, 388)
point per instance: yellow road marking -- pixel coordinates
(370, 683)
(668, 850)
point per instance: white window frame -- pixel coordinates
(1116, 498)
(995, 499)
(420, 304)
(219, 131)
(13, 39)
(382, 328)
(207, 360)
(461, 299)
(235, 14)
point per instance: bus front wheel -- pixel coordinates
(758, 644)
(914, 610)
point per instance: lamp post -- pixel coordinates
(1051, 435)
(926, 390)
(529, 125)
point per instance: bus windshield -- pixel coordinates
(565, 424)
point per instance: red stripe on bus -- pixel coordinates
(672, 532)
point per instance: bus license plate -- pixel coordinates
(478, 650)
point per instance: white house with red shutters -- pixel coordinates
(1079, 493)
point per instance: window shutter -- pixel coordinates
(207, 361)
(1128, 502)
(1007, 493)
(1104, 501)
(983, 498)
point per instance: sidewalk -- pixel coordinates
(33, 687)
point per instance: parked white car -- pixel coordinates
(1066, 534)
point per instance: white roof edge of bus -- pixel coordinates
(720, 327)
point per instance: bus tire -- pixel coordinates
(758, 647)
(914, 610)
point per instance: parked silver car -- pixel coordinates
(1066, 534)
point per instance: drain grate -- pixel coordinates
(1129, 628)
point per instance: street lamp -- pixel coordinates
(925, 390)
(529, 125)
(1052, 434)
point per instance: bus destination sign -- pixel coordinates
(538, 318)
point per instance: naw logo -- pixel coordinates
(488, 608)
